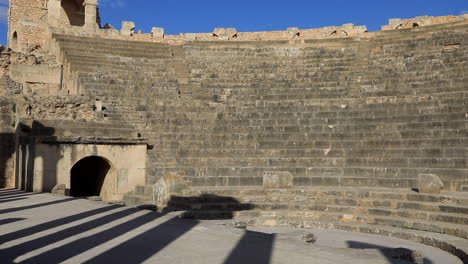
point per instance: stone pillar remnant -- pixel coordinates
(90, 13)
(53, 12)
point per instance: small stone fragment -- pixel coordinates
(59, 189)
(309, 238)
(240, 224)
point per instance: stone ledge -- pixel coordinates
(92, 140)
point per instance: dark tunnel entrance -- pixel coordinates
(87, 176)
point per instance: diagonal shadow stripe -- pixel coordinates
(12, 253)
(16, 209)
(8, 190)
(12, 200)
(11, 192)
(53, 224)
(253, 247)
(147, 244)
(17, 195)
(10, 220)
(79, 246)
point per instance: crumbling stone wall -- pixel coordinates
(398, 23)
(21, 104)
(293, 34)
(26, 27)
(7, 120)
(7, 123)
(29, 26)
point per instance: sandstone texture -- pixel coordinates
(429, 183)
(312, 128)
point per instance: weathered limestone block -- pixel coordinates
(219, 31)
(91, 14)
(225, 33)
(165, 187)
(429, 183)
(294, 32)
(157, 32)
(231, 32)
(36, 73)
(60, 189)
(128, 27)
(190, 36)
(277, 179)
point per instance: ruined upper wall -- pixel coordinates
(398, 23)
(31, 23)
(224, 34)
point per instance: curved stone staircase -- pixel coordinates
(439, 220)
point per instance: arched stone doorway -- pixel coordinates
(89, 177)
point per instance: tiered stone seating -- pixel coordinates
(436, 220)
(371, 112)
(122, 74)
(327, 122)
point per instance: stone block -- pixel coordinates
(157, 32)
(231, 32)
(166, 187)
(128, 28)
(60, 189)
(293, 31)
(36, 74)
(190, 36)
(429, 183)
(349, 26)
(395, 22)
(219, 31)
(277, 179)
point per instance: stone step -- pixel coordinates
(418, 112)
(452, 244)
(109, 42)
(143, 54)
(140, 201)
(106, 47)
(144, 190)
(464, 188)
(349, 206)
(291, 201)
(116, 64)
(275, 215)
(397, 194)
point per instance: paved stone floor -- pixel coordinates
(42, 228)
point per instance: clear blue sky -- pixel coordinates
(258, 15)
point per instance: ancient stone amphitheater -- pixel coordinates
(335, 128)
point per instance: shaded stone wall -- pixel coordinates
(7, 141)
(7, 121)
